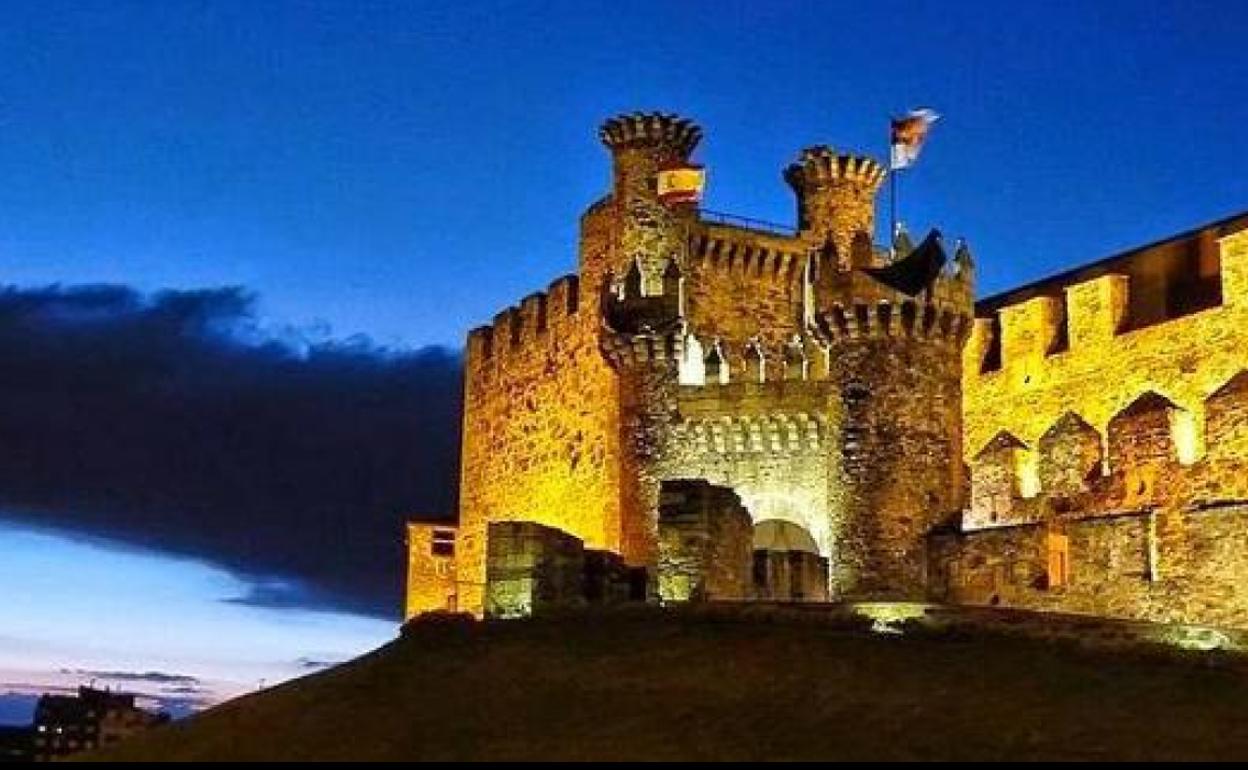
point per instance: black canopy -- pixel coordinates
(917, 270)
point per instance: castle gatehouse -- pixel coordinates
(716, 408)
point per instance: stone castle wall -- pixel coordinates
(541, 430)
(1096, 433)
(769, 442)
(705, 543)
(744, 285)
(900, 477)
(1053, 377)
(1182, 567)
(432, 569)
(1129, 443)
(532, 570)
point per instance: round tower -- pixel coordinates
(895, 365)
(633, 253)
(836, 202)
(644, 229)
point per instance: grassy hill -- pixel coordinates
(681, 686)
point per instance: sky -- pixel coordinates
(59, 632)
(242, 242)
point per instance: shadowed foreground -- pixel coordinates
(654, 686)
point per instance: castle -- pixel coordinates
(715, 408)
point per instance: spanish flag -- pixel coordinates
(908, 134)
(681, 183)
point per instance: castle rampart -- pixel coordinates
(1074, 355)
(541, 432)
(743, 285)
(1188, 567)
(815, 385)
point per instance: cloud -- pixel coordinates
(152, 677)
(311, 664)
(178, 421)
(184, 690)
(277, 594)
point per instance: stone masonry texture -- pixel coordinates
(1078, 444)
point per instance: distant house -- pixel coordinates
(68, 724)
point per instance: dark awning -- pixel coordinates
(917, 270)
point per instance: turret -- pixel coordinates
(646, 229)
(894, 336)
(836, 202)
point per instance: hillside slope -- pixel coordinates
(661, 686)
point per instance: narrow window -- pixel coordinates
(1059, 560)
(443, 542)
(992, 356)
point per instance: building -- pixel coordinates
(718, 408)
(1107, 422)
(68, 724)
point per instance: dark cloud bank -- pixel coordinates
(173, 421)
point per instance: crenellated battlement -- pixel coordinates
(906, 318)
(645, 349)
(1118, 306)
(773, 433)
(518, 328)
(821, 165)
(650, 129)
(708, 362)
(748, 252)
(1146, 451)
(1123, 366)
(836, 203)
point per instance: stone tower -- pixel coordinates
(836, 202)
(642, 327)
(893, 334)
(645, 232)
(796, 370)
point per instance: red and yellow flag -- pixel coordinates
(681, 184)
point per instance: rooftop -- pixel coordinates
(1143, 263)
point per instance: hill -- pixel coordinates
(689, 686)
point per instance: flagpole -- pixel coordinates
(892, 210)
(892, 196)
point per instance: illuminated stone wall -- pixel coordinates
(744, 285)
(532, 570)
(541, 431)
(1128, 439)
(432, 580)
(1099, 376)
(1184, 567)
(769, 442)
(706, 541)
(900, 440)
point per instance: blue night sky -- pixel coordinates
(404, 170)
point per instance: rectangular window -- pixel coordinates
(1059, 559)
(443, 543)
(993, 361)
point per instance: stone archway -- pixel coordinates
(787, 563)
